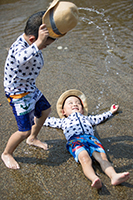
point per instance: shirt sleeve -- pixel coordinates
(53, 122)
(22, 55)
(97, 119)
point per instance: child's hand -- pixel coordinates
(114, 108)
(42, 37)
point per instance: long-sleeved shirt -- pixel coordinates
(22, 67)
(76, 123)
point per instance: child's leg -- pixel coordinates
(116, 178)
(32, 139)
(15, 139)
(86, 163)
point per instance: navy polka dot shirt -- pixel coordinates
(77, 123)
(22, 67)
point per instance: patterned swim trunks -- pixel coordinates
(27, 105)
(84, 142)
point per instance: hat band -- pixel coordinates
(55, 29)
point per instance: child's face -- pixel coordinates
(72, 104)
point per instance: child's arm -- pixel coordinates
(42, 37)
(97, 119)
(22, 54)
(53, 122)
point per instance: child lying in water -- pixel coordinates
(81, 142)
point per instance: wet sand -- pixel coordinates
(84, 62)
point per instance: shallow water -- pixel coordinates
(95, 57)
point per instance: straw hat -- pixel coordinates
(60, 18)
(72, 92)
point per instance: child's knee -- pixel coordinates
(103, 156)
(84, 157)
(25, 134)
(100, 157)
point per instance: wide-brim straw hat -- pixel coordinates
(71, 92)
(60, 18)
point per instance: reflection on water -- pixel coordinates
(95, 57)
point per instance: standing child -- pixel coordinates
(81, 142)
(22, 67)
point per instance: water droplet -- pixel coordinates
(59, 47)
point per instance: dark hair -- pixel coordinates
(33, 24)
(72, 96)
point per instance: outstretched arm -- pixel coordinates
(97, 119)
(53, 122)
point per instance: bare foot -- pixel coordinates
(37, 143)
(97, 183)
(120, 178)
(9, 161)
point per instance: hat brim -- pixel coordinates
(71, 92)
(60, 17)
(51, 6)
(45, 20)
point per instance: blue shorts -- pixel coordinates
(27, 107)
(84, 142)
